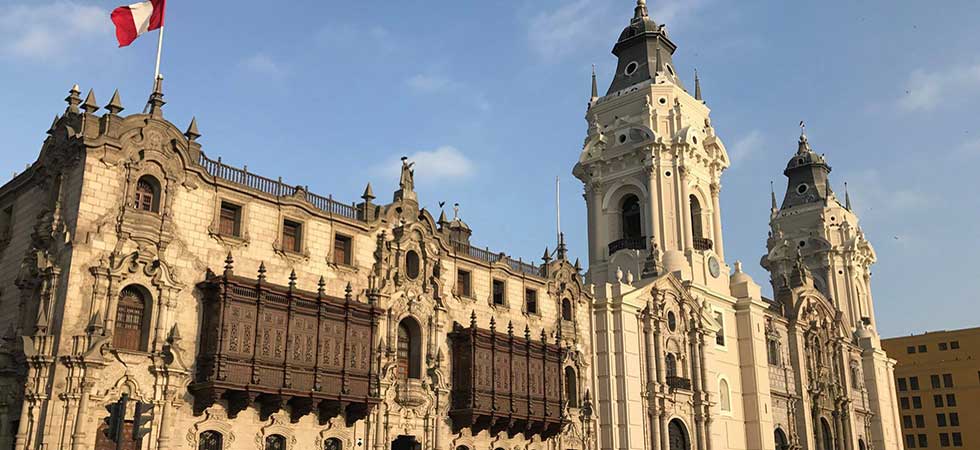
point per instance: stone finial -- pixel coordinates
(174, 335)
(547, 256)
(473, 319)
(192, 132)
(772, 194)
(738, 266)
(510, 328)
(73, 99)
(154, 106)
(348, 292)
(629, 277)
(595, 86)
(262, 271)
(527, 332)
(292, 279)
(96, 325)
(229, 265)
(847, 197)
(578, 266)
(115, 104)
(641, 9)
(321, 287)
(90, 106)
(619, 274)
(368, 194)
(54, 124)
(442, 218)
(493, 324)
(697, 86)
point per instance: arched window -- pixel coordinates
(696, 229)
(828, 437)
(724, 396)
(409, 349)
(333, 444)
(861, 445)
(632, 228)
(772, 348)
(462, 447)
(571, 387)
(671, 365)
(781, 442)
(275, 442)
(210, 440)
(147, 194)
(132, 319)
(412, 264)
(566, 309)
(677, 436)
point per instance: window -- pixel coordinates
(923, 441)
(917, 402)
(210, 440)
(914, 383)
(412, 264)
(773, 351)
(342, 250)
(907, 422)
(670, 365)
(531, 301)
(671, 321)
(955, 345)
(902, 385)
(409, 349)
(923, 349)
(948, 380)
(147, 194)
(498, 292)
(292, 236)
(571, 387)
(938, 400)
(910, 349)
(230, 220)
(631, 218)
(275, 442)
(943, 346)
(920, 421)
(132, 320)
(957, 440)
(463, 283)
(944, 439)
(909, 441)
(566, 310)
(782, 443)
(935, 381)
(333, 444)
(941, 420)
(696, 228)
(724, 396)
(904, 402)
(720, 334)
(954, 419)
(950, 400)
(6, 223)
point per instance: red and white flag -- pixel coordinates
(133, 20)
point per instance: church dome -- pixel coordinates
(674, 261)
(805, 156)
(638, 27)
(739, 276)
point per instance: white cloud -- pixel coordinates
(926, 90)
(582, 24)
(425, 83)
(263, 64)
(746, 146)
(50, 31)
(445, 163)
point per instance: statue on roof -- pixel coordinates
(407, 180)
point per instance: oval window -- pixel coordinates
(802, 188)
(671, 321)
(631, 68)
(412, 264)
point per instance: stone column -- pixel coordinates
(716, 209)
(685, 204)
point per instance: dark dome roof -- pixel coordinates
(805, 156)
(638, 27)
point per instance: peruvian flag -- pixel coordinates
(136, 19)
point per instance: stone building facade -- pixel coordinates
(216, 309)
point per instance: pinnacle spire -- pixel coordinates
(192, 132)
(115, 104)
(368, 194)
(772, 194)
(641, 9)
(154, 106)
(804, 142)
(90, 106)
(847, 197)
(54, 124)
(73, 99)
(595, 86)
(697, 86)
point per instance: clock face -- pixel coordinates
(714, 267)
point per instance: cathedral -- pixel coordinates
(158, 299)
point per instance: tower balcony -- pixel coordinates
(703, 244)
(632, 243)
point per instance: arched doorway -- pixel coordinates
(632, 228)
(409, 349)
(861, 445)
(677, 436)
(781, 442)
(826, 434)
(406, 443)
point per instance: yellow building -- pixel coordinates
(938, 383)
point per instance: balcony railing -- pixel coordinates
(489, 257)
(679, 383)
(632, 243)
(703, 244)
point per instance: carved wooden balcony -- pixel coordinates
(632, 243)
(703, 244)
(679, 383)
(503, 382)
(271, 346)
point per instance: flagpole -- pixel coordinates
(156, 70)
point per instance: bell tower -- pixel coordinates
(651, 166)
(811, 223)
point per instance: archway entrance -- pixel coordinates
(406, 443)
(781, 442)
(677, 436)
(828, 436)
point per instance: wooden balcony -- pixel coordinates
(632, 243)
(703, 244)
(679, 383)
(502, 382)
(270, 346)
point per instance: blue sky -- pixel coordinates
(489, 99)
